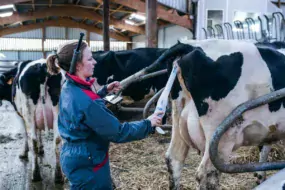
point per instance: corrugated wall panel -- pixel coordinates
(176, 4)
(96, 37)
(20, 44)
(7, 65)
(167, 37)
(9, 55)
(55, 33)
(73, 33)
(36, 34)
(30, 55)
(51, 44)
(114, 46)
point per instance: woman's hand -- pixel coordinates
(155, 119)
(114, 87)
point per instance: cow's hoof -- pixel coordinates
(41, 152)
(36, 176)
(59, 180)
(23, 156)
(58, 176)
(259, 178)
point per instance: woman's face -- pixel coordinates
(86, 66)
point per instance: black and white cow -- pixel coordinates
(118, 65)
(36, 96)
(213, 79)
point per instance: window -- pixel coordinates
(214, 17)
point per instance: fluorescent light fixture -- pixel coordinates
(7, 6)
(6, 14)
(111, 27)
(137, 16)
(129, 22)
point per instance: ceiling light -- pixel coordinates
(129, 22)
(6, 6)
(6, 14)
(137, 16)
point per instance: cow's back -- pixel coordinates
(30, 77)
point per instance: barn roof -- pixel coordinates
(127, 17)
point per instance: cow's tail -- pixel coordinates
(43, 102)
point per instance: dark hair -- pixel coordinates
(63, 57)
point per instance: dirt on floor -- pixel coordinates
(135, 165)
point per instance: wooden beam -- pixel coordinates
(161, 13)
(279, 3)
(129, 46)
(68, 11)
(7, 2)
(43, 41)
(151, 23)
(33, 2)
(60, 23)
(88, 38)
(66, 33)
(106, 30)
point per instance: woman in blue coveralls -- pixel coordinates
(86, 125)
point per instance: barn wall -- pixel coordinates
(167, 37)
(229, 7)
(34, 34)
(28, 45)
(180, 5)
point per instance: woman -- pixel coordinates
(86, 125)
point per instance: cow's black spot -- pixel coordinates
(54, 87)
(276, 64)
(31, 80)
(206, 78)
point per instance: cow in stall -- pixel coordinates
(118, 65)
(6, 80)
(214, 78)
(35, 98)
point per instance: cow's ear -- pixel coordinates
(178, 42)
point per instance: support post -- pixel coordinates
(106, 18)
(151, 23)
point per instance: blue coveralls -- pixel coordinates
(87, 127)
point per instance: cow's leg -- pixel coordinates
(41, 147)
(207, 175)
(29, 116)
(178, 149)
(24, 154)
(58, 176)
(263, 155)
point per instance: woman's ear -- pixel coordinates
(78, 66)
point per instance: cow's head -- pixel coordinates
(5, 89)
(104, 67)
